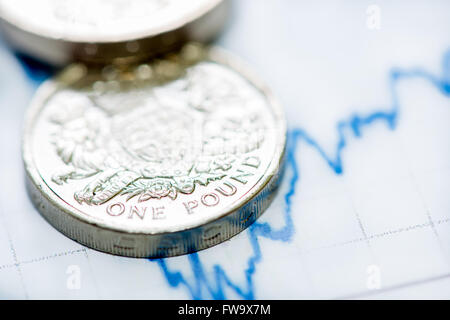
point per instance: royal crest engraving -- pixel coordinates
(152, 142)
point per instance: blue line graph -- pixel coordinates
(352, 125)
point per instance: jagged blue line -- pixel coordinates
(354, 124)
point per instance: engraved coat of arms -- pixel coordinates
(155, 141)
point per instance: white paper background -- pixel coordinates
(383, 222)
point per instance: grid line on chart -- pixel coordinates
(368, 238)
(378, 235)
(428, 215)
(365, 237)
(361, 226)
(56, 255)
(16, 263)
(86, 255)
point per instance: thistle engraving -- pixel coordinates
(152, 142)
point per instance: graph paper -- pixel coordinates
(364, 207)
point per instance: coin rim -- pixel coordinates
(21, 24)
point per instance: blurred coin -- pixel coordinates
(154, 159)
(60, 31)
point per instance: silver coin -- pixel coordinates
(60, 31)
(156, 159)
